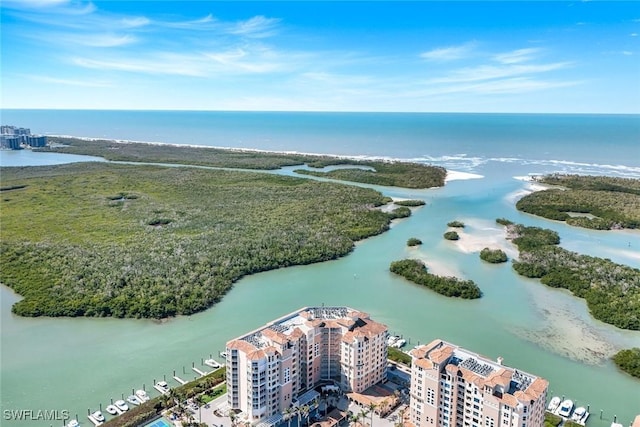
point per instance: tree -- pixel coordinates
(372, 409)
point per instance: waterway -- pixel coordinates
(78, 364)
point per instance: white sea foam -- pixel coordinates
(458, 176)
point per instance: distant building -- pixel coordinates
(36, 141)
(454, 387)
(7, 130)
(11, 142)
(280, 364)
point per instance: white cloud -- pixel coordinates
(70, 82)
(257, 26)
(135, 22)
(449, 53)
(104, 40)
(489, 72)
(517, 56)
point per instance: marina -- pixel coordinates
(568, 411)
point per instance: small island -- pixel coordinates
(628, 361)
(451, 235)
(596, 202)
(612, 291)
(414, 241)
(416, 272)
(493, 256)
(410, 203)
(455, 224)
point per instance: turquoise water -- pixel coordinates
(78, 364)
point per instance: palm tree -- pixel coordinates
(232, 418)
(363, 414)
(288, 413)
(304, 412)
(401, 413)
(372, 408)
(353, 418)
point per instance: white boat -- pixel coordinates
(120, 404)
(212, 363)
(580, 415)
(142, 395)
(399, 343)
(392, 340)
(73, 423)
(98, 416)
(162, 387)
(133, 399)
(553, 404)
(223, 354)
(112, 409)
(565, 408)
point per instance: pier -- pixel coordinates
(199, 372)
(180, 380)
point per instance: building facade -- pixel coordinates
(453, 387)
(280, 364)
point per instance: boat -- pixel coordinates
(212, 363)
(223, 354)
(553, 404)
(580, 415)
(392, 340)
(112, 409)
(120, 404)
(98, 416)
(142, 395)
(162, 387)
(566, 408)
(73, 423)
(399, 343)
(133, 399)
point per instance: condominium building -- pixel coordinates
(454, 387)
(280, 364)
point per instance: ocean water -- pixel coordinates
(80, 364)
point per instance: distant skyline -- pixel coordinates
(518, 57)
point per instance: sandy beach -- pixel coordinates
(479, 234)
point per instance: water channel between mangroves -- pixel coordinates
(77, 364)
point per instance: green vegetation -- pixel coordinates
(612, 291)
(456, 224)
(410, 203)
(416, 272)
(597, 202)
(398, 356)
(414, 241)
(397, 174)
(504, 221)
(401, 212)
(392, 174)
(71, 249)
(494, 256)
(451, 235)
(551, 420)
(628, 361)
(147, 411)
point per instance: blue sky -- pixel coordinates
(565, 57)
